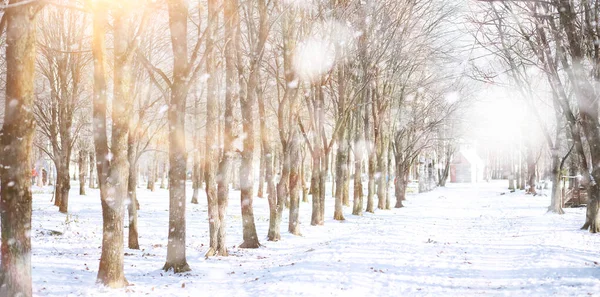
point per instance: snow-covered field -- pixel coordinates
(464, 240)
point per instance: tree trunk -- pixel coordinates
(372, 138)
(357, 208)
(556, 203)
(322, 186)
(445, 172)
(235, 174)
(518, 174)
(218, 233)
(331, 173)
(82, 171)
(246, 176)
(320, 154)
(371, 185)
(346, 192)
(262, 169)
(152, 175)
(340, 176)
(176, 256)
(382, 180)
(92, 176)
(196, 178)
(401, 181)
(212, 130)
(63, 185)
(196, 167)
(276, 204)
(267, 150)
(341, 155)
(163, 175)
(247, 101)
(522, 175)
(319, 163)
(269, 172)
(390, 154)
(15, 143)
(305, 189)
(294, 165)
(592, 217)
(315, 190)
(111, 172)
(132, 194)
(512, 175)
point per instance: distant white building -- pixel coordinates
(467, 166)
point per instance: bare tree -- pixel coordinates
(112, 165)
(217, 237)
(249, 84)
(63, 65)
(183, 75)
(212, 130)
(15, 141)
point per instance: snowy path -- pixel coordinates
(465, 240)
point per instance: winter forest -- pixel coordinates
(299, 147)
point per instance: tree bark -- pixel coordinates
(63, 185)
(357, 208)
(92, 176)
(383, 178)
(246, 177)
(267, 150)
(319, 160)
(322, 186)
(371, 185)
(341, 155)
(82, 171)
(556, 203)
(196, 169)
(522, 168)
(176, 256)
(247, 101)
(512, 174)
(401, 181)
(340, 179)
(261, 170)
(371, 138)
(16, 140)
(346, 192)
(152, 175)
(163, 175)
(111, 171)
(276, 204)
(390, 153)
(218, 244)
(445, 172)
(212, 131)
(315, 190)
(294, 182)
(132, 193)
(305, 189)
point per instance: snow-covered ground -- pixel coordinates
(463, 240)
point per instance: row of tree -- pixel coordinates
(550, 53)
(346, 87)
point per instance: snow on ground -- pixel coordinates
(463, 240)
